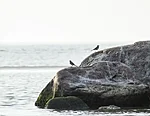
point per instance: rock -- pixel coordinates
(136, 56)
(103, 83)
(117, 76)
(45, 95)
(66, 103)
(110, 107)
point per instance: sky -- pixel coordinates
(74, 21)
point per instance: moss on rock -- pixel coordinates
(45, 96)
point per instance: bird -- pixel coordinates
(112, 78)
(96, 48)
(72, 63)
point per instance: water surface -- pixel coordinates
(26, 70)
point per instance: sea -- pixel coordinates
(26, 69)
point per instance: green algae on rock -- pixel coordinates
(45, 95)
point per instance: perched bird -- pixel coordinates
(72, 63)
(112, 78)
(96, 48)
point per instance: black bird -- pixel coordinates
(112, 78)
(72, 63)
(96, 48)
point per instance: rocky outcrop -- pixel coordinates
(117, 76)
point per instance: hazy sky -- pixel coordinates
(74, 21)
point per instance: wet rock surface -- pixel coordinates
(117, 76)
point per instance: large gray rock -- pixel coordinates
(116, 76)
(136, 56)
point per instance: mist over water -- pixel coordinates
(26, 70)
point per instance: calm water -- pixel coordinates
(26, 70)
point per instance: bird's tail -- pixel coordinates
(76, 65)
